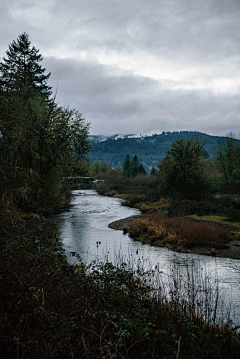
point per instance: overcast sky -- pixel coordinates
(137, 66)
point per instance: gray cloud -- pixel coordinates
(137, 104)
(137, 66)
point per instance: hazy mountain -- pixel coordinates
(149, 149)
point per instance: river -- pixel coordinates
(84, 229)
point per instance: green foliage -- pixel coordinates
(153, 171)
(187, 207)
(98, 169)
(181, 171)
(227, 159)
(226, 206)
(204, 153)
(40, 142)
(206, 175)
(134, 189)
(150, 149)
(134, 168)
(21, 68)
(127, 168)
(141, 170)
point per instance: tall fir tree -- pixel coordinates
(21, 68)
(153, 171)
(227, 159)
(135, 166)
(40, 142)
(127, 166)
(141, 170)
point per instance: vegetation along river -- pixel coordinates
(84, 229)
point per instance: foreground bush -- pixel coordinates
(51, 309)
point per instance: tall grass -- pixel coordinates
(190, 290)
(179, 231)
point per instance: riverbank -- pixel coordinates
(51, 309)
(233, 250)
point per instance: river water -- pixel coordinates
(84, 229)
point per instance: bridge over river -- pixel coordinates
(84, 182)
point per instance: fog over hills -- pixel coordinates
(150, 149)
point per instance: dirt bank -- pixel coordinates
(232, 252)
(124, 224)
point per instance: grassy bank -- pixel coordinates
(180, 233)
(181, 225)
(51, 309)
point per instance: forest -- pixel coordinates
(149, 149)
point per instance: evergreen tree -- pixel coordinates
(21, 68)
(135, 166)
(141, 170)
(153, 171)
(127, 170)
(40, 142)
(227, 159)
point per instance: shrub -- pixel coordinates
(187, 207)
(136, 189)
(51, 309)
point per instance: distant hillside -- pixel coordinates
(101, 138)
(149, 149)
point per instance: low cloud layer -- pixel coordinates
(143, 66)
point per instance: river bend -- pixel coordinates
(86, 224)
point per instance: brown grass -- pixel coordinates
(179, 233)
(153, 207)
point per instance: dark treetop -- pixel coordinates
(21, 68)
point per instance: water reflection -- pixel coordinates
(86, 223)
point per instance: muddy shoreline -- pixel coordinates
(233, 252)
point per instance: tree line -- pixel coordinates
(132, 168)
(149, 149)
(186, 172)
(40, 141)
